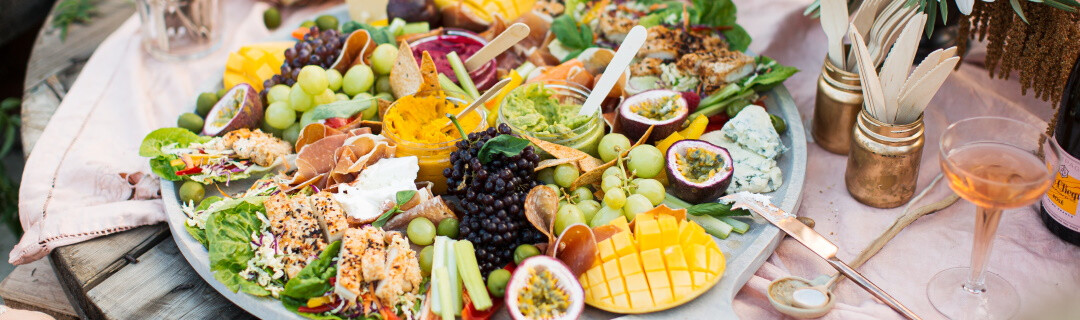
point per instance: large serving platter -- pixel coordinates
(744, 253)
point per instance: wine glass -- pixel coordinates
(997, 164)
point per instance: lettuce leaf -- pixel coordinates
(314, 279)
(293, 304)
(155, 140)
(737, 38)
(162, 168)
(228, 233)
(196, 232)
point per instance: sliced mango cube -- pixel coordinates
(700, 278)
(674, 258)
(662, 295)
(636, 282)
(649, 236)
(616, 287)
(630, 264)
(651, 260)
(606, 249)
(623, 243)
(680, 278)
(669, 230)
(621, 301)
(682, 291)
(716, 260)
(641, 299)
(596, 275)
(658, 279)
(697, 258)
(611, 270)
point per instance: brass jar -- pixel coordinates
(883, 163)
(839, 100)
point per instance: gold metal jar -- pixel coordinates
(839, 100)
(883, 164)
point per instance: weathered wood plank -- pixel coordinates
(39, 104)
(51, 55)
(34, 286)
(167, 288)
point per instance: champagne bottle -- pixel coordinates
(1059, 206)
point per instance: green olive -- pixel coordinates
(778, 123)
(206, 102)
(192, 192)
(525, 251)
(272, 18)
(326, 22)
(190, 121)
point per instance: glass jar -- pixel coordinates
(584, 138)
(883, 163)
(465, 43)
(178, 30)
(432, 157)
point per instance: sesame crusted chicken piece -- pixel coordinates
(615, 27)
(663, 43)
(277, 211)
(301, 239)
(717, 68)
(332, 218)
(402, 271)
(349, 275)
(646, 67)
(549, 7)
(260, 147)
(373, 259)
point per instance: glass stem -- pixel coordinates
(986, 224)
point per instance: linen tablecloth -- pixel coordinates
(85, 178)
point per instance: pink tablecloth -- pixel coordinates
(73, 188)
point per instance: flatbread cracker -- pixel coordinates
(405, 75)
(429, 74)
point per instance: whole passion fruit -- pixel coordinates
(664, 109)
(543, 287)
(698, 171)
(240, 107)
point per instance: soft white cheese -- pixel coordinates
(377, 184)
(752, 128)
(752, 172)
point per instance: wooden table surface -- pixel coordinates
(137, 274)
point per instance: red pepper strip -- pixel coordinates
(470, 312)
(388, 314)
(320, 309)
(332, 281)
(193, 170)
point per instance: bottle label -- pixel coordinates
(1061, 200)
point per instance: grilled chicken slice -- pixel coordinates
(332, 218)
(260, 147)
(402, 271)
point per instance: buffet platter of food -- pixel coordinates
(381, 168)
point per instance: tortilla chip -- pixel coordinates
(595, 174)
(405, 75)
(548, 163)
(429, 76)
(355, 51)
(557, 150)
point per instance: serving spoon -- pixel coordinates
(508, 38)
(627, 50)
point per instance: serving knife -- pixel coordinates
(814, 241)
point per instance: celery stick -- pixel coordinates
(525, 69)
(470, 275)
(438, 260)
(397, 27)
(462, 75)
(712, 225)
(456, 301)
(444, 293)
(676, 203)
(449, 85)
(737, 226)
(415, 27)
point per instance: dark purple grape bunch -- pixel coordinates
(317, 48)
(493, 198)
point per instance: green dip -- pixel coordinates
(534, 109)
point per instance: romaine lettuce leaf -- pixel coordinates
(154, 141)
(228, 232)
(162, 168)
(314, 279)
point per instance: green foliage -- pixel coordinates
(314, 279)
(933, 8)
(506, 145)
(72, 11)
(228, 233)
(9, 188)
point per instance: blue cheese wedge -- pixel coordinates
(752, 172)
(752, 129)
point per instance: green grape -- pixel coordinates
(604, 216)
(589, 208)
(448, 228)
(645, 161)
(299, 99)
(546, 175)
(581, 194)
(341, 97)
(313, 79)
(427, 255)
(192, 192)
(382, 84)
(382, 59)
(652, 189)
(279, 116)
(278, 93)
(612, 145)
(326, 22)
(292, 133)
(615, 198)
(496, 282)
(421, 231)
(558, 191)
(610, 182)
(614, 171)
(568, 215)
(358, 79)
(334, 79)
(525, 251)
(190, 121)
(565, 174)
(636, 204)
(205, 102)
(326, 97)
(385, 96)
(563, 203)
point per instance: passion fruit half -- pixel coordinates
(543, 287)
(240, 107)
(664, 109)
(698, 171)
